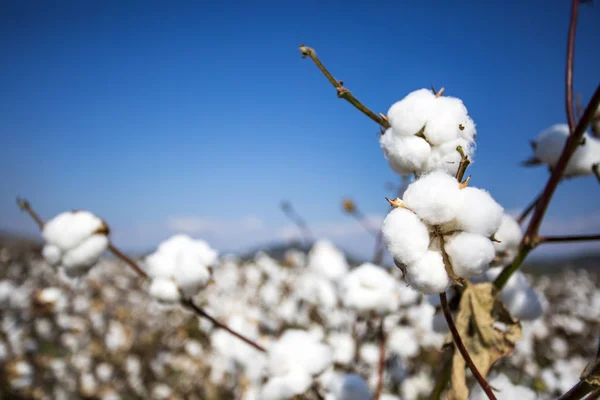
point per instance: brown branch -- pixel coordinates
(463, 350)
(381, 363)
(570, 63)
(342, 92)
(464, 163)
(127, 260)
(567, 239)
(25, 206)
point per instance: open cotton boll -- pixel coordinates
(318, 290)
(325, 259)
(87, 253)
(506, 390)
(403, 341)
(478, 212)
(370, 288)
(297, 349)
(52, 254)
(68, 229)
(286, 386)
(435, 197)
(523, 304)
(354, 387)
(408, 116)
(446, 158)
(470, 253)
(405, 236)
(469, 130)
(449, 114)
(428, 275)
(164, 290)
(343, 346)
(405, 154)
(509, 237)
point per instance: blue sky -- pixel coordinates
(162, 116)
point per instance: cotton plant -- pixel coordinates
(440, 218)
(425, 130)
(294, 361)
(74, 241)
(549, 144)
(181, 266)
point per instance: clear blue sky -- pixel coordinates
(144, 112)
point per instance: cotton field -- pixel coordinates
(104, 336)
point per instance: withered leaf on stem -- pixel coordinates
(487, 330)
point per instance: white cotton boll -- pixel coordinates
(315, 289)
(405, 236)
(446, 158)
(343, 346)
(435, 197)
(470, 253)
(69, 229)
(478, 212)
(506, 390)
(354, 388)
(296, 349)
(286, 386)
(509, 234)
(444, 123)
(524, 304)
(403, 341)
(405, 154)
(369, 353)
(52, 254)
(325, 259)
(469, 130)
(369, 288)
(408, 116)
(428, 275)
(86, 254)
(164, 290)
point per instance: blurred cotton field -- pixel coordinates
(102, 336)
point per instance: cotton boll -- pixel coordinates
(405, 154)
(354, 388)
(69, 229)
(446, 158)
(296, 349)
(343, 346)
(469, 130)
(405, 236)
(428, 275)
(403, 341)
(370, 288)
(509, 234)
(164, 290)
(435, 198)
(190, 275)
(470, 254)
(444, 124)
(478, 212)
(87, 253)
(325, 259)
(524, 304)
(408, 116)
(52, 254)
(286, 386)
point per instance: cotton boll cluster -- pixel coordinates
(549, 144)
(180, 266)
(438, 212)
(75, 240)
(370, 289)
(294, 360)
(425, 131)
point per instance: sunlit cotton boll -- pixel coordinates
(448, 115)
(446, 157)
(164, 290)
(325, 259)
(405, 236)
(297, 349)
(478, 212)
(428, 275)
(184, 260)
(370, 288)
(286, 386)
(435, 197)
(409, 115)
(405, 154)
(508, 237)
(470, 253)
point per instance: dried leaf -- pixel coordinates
(487, 331)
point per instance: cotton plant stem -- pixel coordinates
(464, 163)
(570, 66)
(342, 92)
(187, 303)
(463, 350)
(381, 362)
(568, 239)
(528, 210)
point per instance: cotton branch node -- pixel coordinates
(440, 233)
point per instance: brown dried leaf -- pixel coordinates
(478, 322)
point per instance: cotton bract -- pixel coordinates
(437, 210)
(421, 128)
(74, 241)
(180, 261)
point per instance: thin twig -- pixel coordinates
(567, 239)
(528, 210)
(381, 363)
(25, 206)
(463, 350)
(464, 163)
(300, 222)
(570, 63)
(342, 92)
